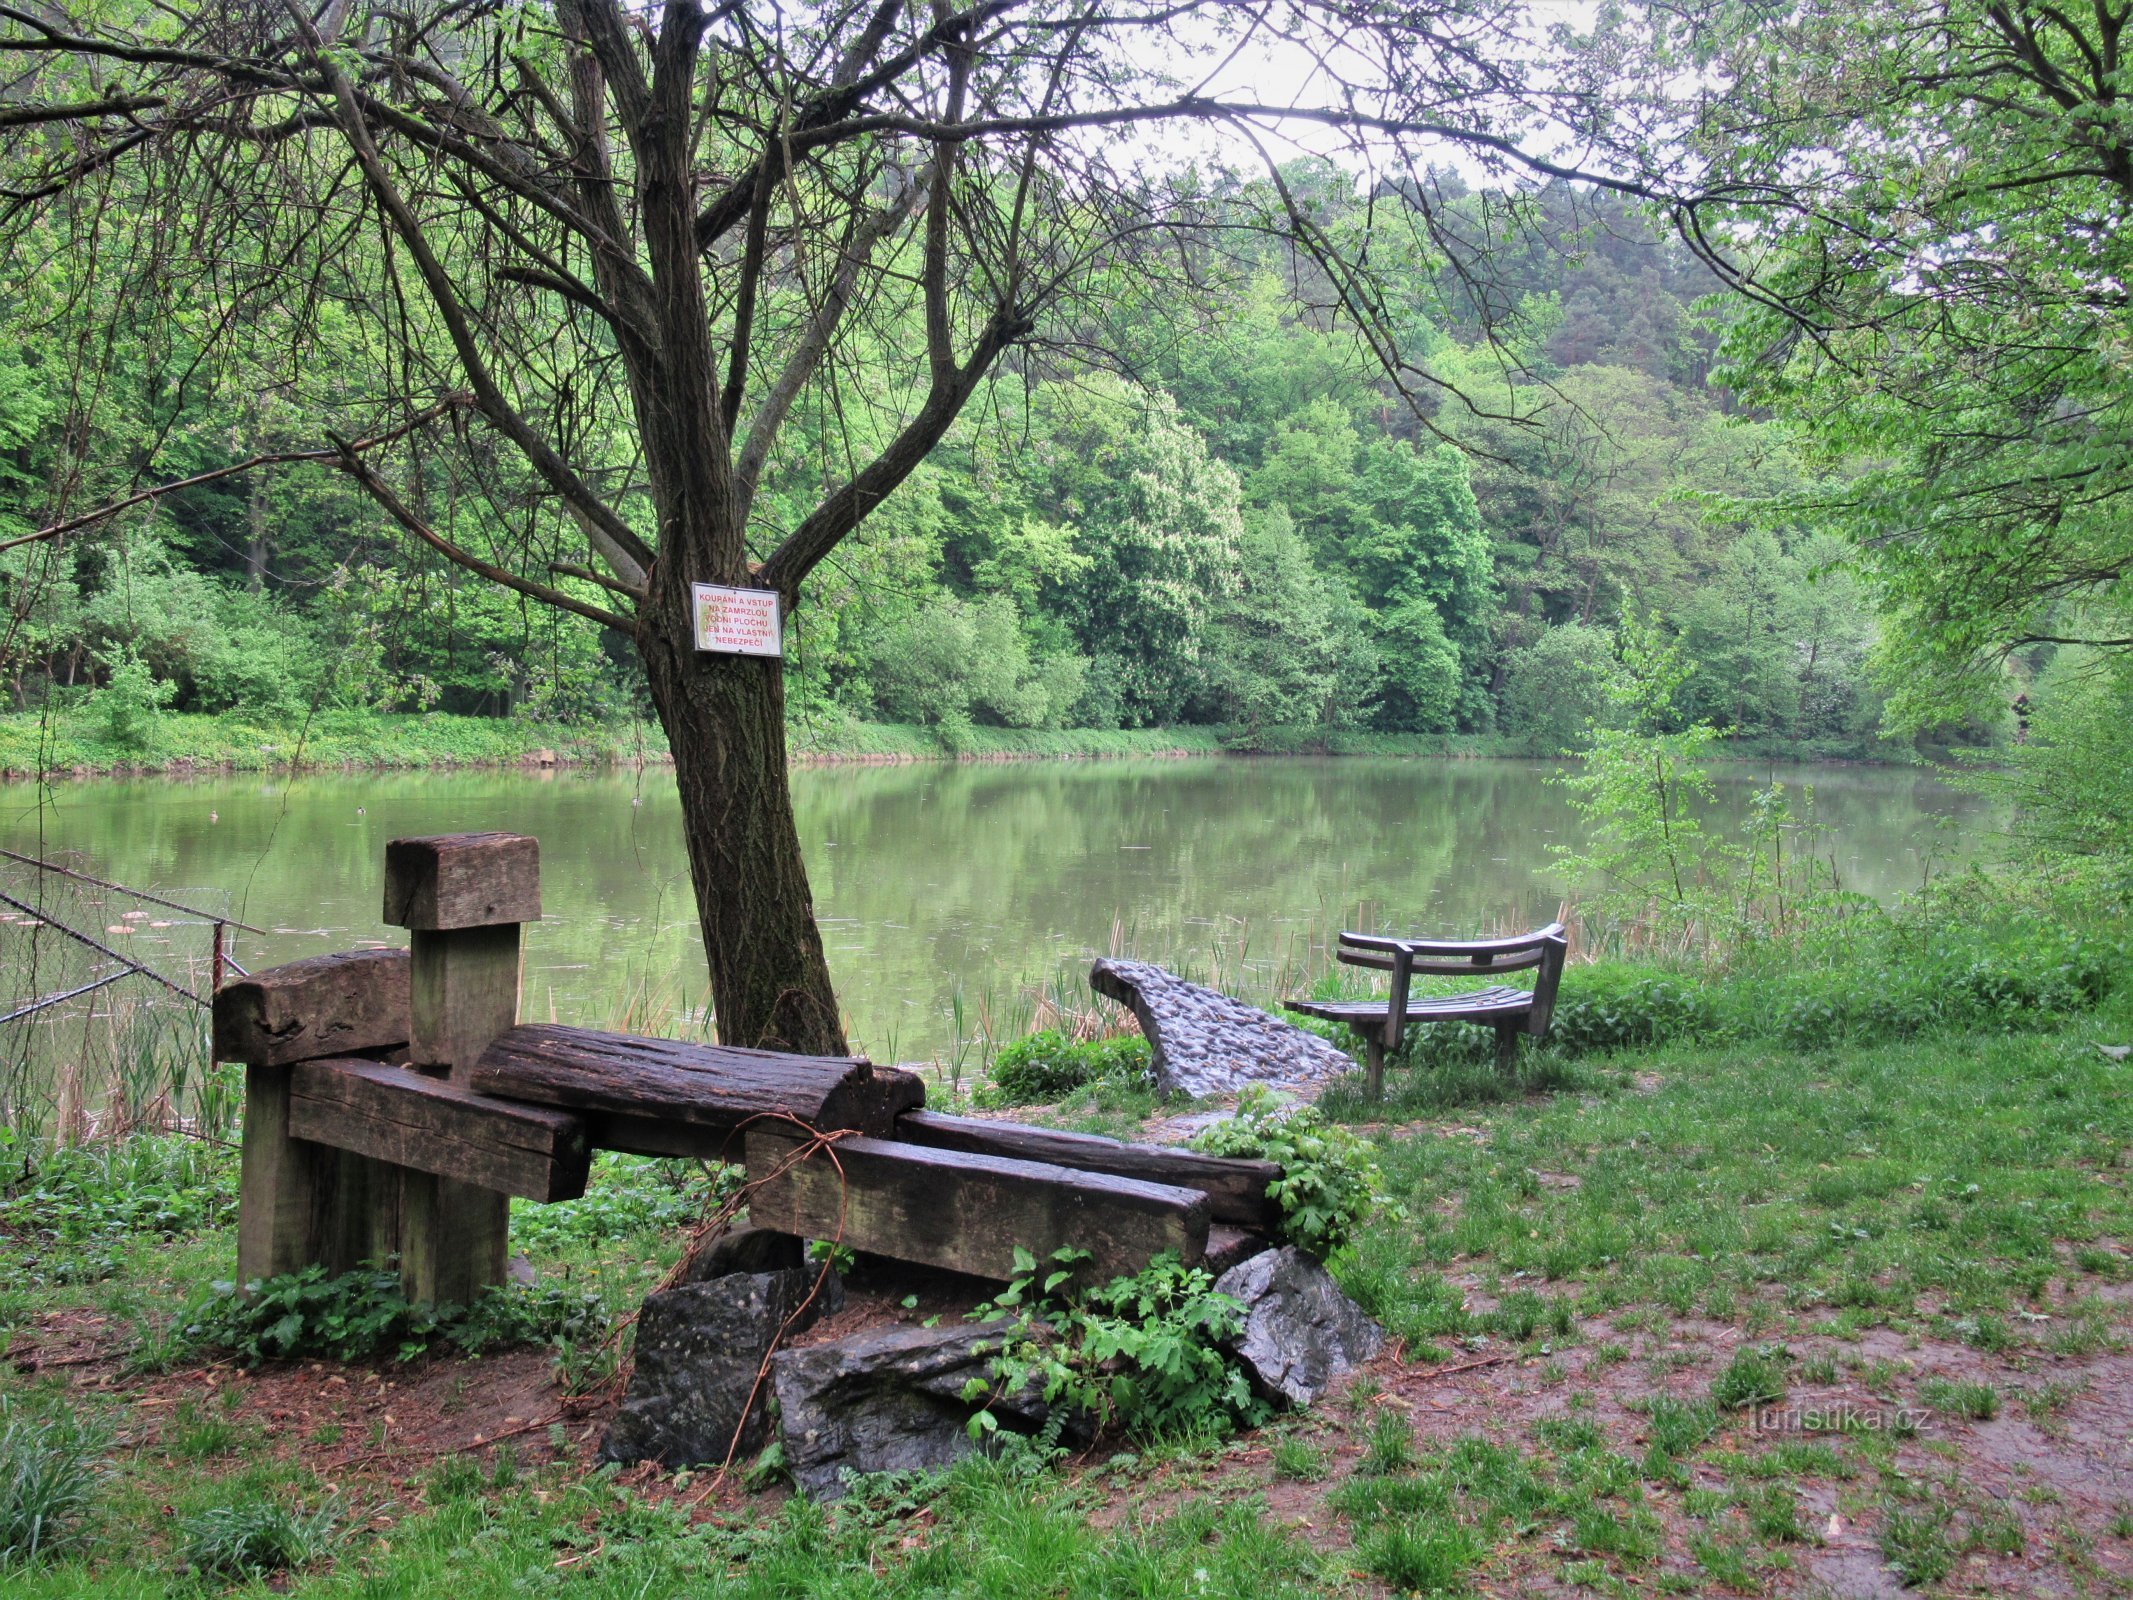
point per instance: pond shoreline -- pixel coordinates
(184, 747)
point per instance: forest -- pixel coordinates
(1232, 522)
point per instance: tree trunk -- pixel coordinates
(725, 721)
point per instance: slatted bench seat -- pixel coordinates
(1382, 1023)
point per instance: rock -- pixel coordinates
(887, 1400)
(1300, 1332)
(1206, 1043)
(746, 1249)
(699, 1349)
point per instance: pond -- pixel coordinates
(951, 895)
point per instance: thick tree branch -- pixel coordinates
(848, 506)
(814, 344)
(25, 116)
(276, 458)
(359, 469)
(458, 329)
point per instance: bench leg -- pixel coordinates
(1374, 1059)
(1506, 1048)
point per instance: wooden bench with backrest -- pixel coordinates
(1511, 1011)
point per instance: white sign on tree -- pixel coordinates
(737, 622)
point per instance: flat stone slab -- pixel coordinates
(1300, 1331)
(888, 1400)
(1206, 1043)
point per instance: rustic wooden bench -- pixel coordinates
(1509, 1010)
(394, 1104)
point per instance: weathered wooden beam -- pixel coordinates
(967, 1213)
(462, 897)
(1235, 1187)
(462, 880)
(700, 1086)
(398, 1115)
(300, 1204)
(323, 1006)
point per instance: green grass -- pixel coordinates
(1650, 1250)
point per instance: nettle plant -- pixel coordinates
(1329, 1182)
(1143, 1353)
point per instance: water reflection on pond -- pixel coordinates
(990, 878)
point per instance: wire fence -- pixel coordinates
(104, 993)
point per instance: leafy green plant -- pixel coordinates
(1143, 1352)
(258, 1537)
(132, 700)
(146, 1184)
(360, 1314)
(50, 1469)
(1048, 1066)
(1329, 1179)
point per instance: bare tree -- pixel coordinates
(540, 216)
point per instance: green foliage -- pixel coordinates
(363, 1314)
(51, 1470)
(1931, 219)
(1555, 689)
(2071, 785)
(118, 1188)
(258, 1537)
(1048, 1066)
(1616, 1006)
(1653, 866)
(1329, 1180)
(1143, 1352)
(624, 1195)
(131, 701)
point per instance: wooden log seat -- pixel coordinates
(671, 1098)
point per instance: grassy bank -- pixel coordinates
(80, 744)
(1808, 1283)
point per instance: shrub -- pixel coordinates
(49, 1472)
(1329, 1183)
(1049, 1066)
(361, 1314)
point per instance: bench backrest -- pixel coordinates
(1542, 952)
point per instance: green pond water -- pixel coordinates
(936, 884)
